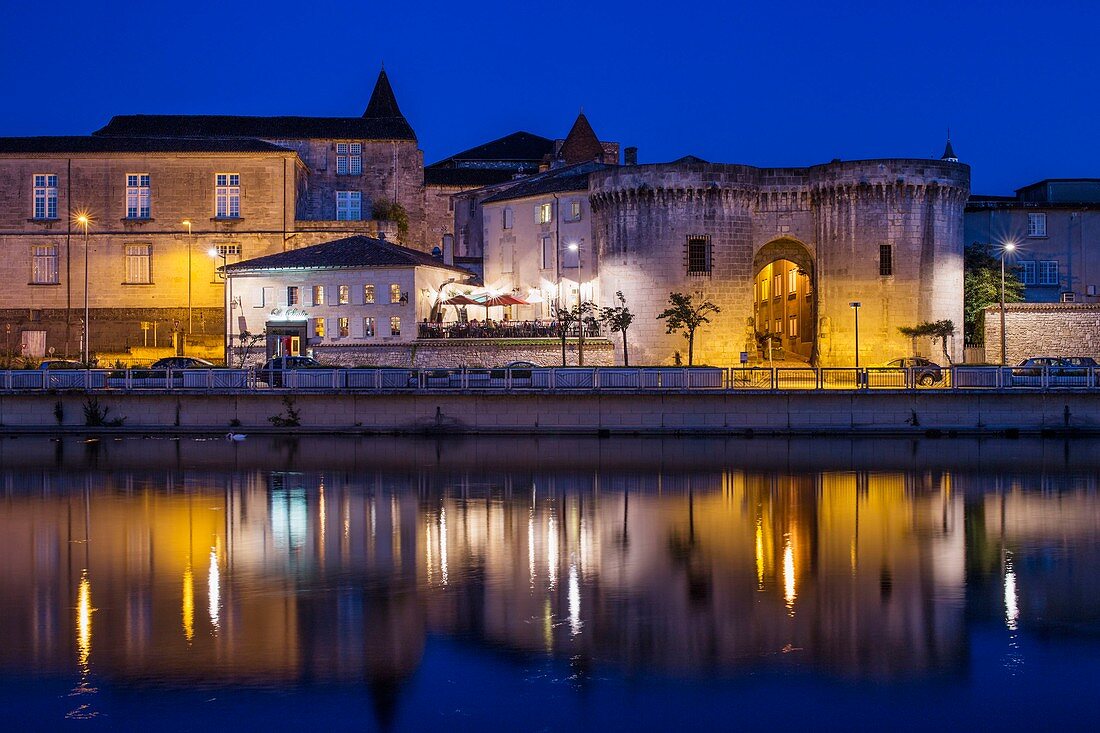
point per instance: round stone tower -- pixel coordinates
(783, 252)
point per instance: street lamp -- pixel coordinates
(224, 256)
(83, 219)
(1008, 247)
(855, 304)
(190, 239)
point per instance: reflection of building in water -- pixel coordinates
(290, 577)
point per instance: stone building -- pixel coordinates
(1055, 227)
(149, 277)
(357, 291)
(885, 233)
(1043, 329)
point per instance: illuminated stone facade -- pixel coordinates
(885, 233)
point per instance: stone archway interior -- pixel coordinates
(784, 304)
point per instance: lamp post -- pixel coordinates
(574, 247)
(855, 304)
(1008, 247)
(190, 239)
(224, 256)
(83, 220)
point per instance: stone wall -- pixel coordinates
(830, 219)
(447, 354)
(1043, 329)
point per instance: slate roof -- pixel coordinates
(90, 144)
(355, 252)
(382, 120)
(581, 144)
(517, 146)
(271, 128)
(467, 177)
(574, 178)
(949, 152)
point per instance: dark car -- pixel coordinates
(1034, 366)
(271, 373)
(925, 372)
(63, 373)
(181, 362)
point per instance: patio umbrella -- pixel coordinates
(501, 300)
(460, 300)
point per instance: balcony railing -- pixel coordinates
(501, 330)
(642, 379)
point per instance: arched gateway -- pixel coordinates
(784, 302)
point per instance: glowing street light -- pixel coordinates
(82, 219)
(1007, 248)
(855, 305)
(224, 256)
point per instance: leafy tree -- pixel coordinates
(248, 343)
(684, 315)
(578, 314)
(618, 319)
(395, 212)
(942, 330)
(982, 288)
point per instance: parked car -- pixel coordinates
(1066, 371)
(271, 373)
(181, 362)
(68, 374)
(925, 372)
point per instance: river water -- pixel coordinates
(549, 584)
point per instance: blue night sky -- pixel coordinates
(766, 83)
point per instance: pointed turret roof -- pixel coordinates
(383, 107)
(581, 144)
(949, 152)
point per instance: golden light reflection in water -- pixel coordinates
(531, 546)
(574, 600)
(552, 550)
(84, 623)
(443, 572)
(1012, 608)
(760, 554)
(788, 573)
(213, 581)
(188, 604)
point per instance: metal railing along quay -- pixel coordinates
(551, 379)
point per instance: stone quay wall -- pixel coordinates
(1043, 329)
(893, 413)
(458, 353)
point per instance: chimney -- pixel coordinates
(630, 155)
(448, 249)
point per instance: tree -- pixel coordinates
(684, 315)
(765, 339)
(982, 288)
(618, 319)
(248, 343)
(942, 330)
(578, 314)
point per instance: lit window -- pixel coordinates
(1028, 272)
(368, 327)
(792, 326)
(343, 327)
(395, 293)
(137, 195)
(138, 263)
(885, 260)
(792, 281)
(575, 211)
(778, 327)
(1036, 225)
(395, 325)
(368, 293)
(777, 286)
(319, 327)
(318, 295)
(698, 255)
(763, 288)
(349, 206)
(507, 218)
(45, 196)
(227, 195)
(544, 214)
(349, 159)
(343, 295)
(1048, 272)
(44, 264)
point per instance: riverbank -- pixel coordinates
(884, 412)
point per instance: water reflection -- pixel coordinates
(707, 562)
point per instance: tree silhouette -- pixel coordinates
(618, 319)
(685, 316)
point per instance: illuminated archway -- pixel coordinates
(784, 301)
